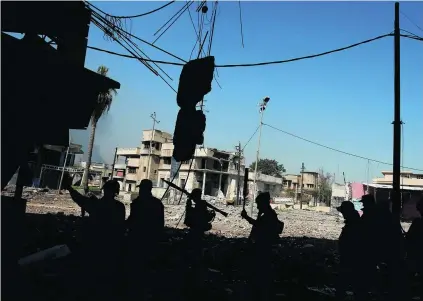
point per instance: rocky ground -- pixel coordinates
(298, 223)
(305, 261)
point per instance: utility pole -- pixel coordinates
(113, 165)
(301, 187)
(239, 154)
(396, 204)
(64, 165)
(262, 105)
(153, 116)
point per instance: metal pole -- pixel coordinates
(257, 158)
(239, 173)
(64, 165)
(301, 187)
(396, 204)
(113, 165)
(153, 116)
(220, 176)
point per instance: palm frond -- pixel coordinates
(105, 99)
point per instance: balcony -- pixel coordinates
(154, 152)
(131, 151)
(166, 152)
(120, 166)
(133, 162)
(165, 166)
(131, 177)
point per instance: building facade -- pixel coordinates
(214, 171)
(408, 178)
(309, 181)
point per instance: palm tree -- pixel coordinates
(104, 102)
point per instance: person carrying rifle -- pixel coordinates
(199, 220)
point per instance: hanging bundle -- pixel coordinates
(194, 82)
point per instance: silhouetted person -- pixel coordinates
(370, 234)
(198, 219)
(391, 249)
(414, 239)
(102, 241)
(145, 224)
(264, 234)
(349, 246)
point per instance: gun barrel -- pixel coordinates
(189, 195)
(217, 209)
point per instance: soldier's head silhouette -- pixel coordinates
(196, 194)
(263, 201)
(368, 201)
(348, 211)
(111, 188)
(145, 187)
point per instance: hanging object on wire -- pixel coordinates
(194, 83)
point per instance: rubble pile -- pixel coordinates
(305, 260)
(299, 262)
(302, 266)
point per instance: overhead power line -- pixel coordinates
(256, 64)
(336, 150)
(305, 57)
(411, 35)
(414, 23)
(135, 16)
(255, 132)
(110, 24)
(134, 57)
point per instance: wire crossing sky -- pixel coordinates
(343, 100)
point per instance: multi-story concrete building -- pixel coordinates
(211, 170)
(310, 181)
(408, 178)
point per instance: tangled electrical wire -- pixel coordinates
(123, 38)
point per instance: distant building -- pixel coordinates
(293, 183)
(408, 178)
(339, 194)
(211, 169)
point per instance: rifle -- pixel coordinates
(189, 195)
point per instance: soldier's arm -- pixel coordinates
(250, 220)
(85, 203)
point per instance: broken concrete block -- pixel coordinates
(47, 254)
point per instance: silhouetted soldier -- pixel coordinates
(391, 249)
(349, 246)
(370, 234)
(264, 234)
(102, 240)
(198, 219)
(145, 225)
(414, 239)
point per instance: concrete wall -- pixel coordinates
(159, 136)
(412, 181)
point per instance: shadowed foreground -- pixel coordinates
(301, 265)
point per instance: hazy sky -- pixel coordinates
(343, 100)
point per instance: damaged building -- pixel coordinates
(214, 171)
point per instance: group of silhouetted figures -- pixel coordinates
(364, 244)
(376, 241)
